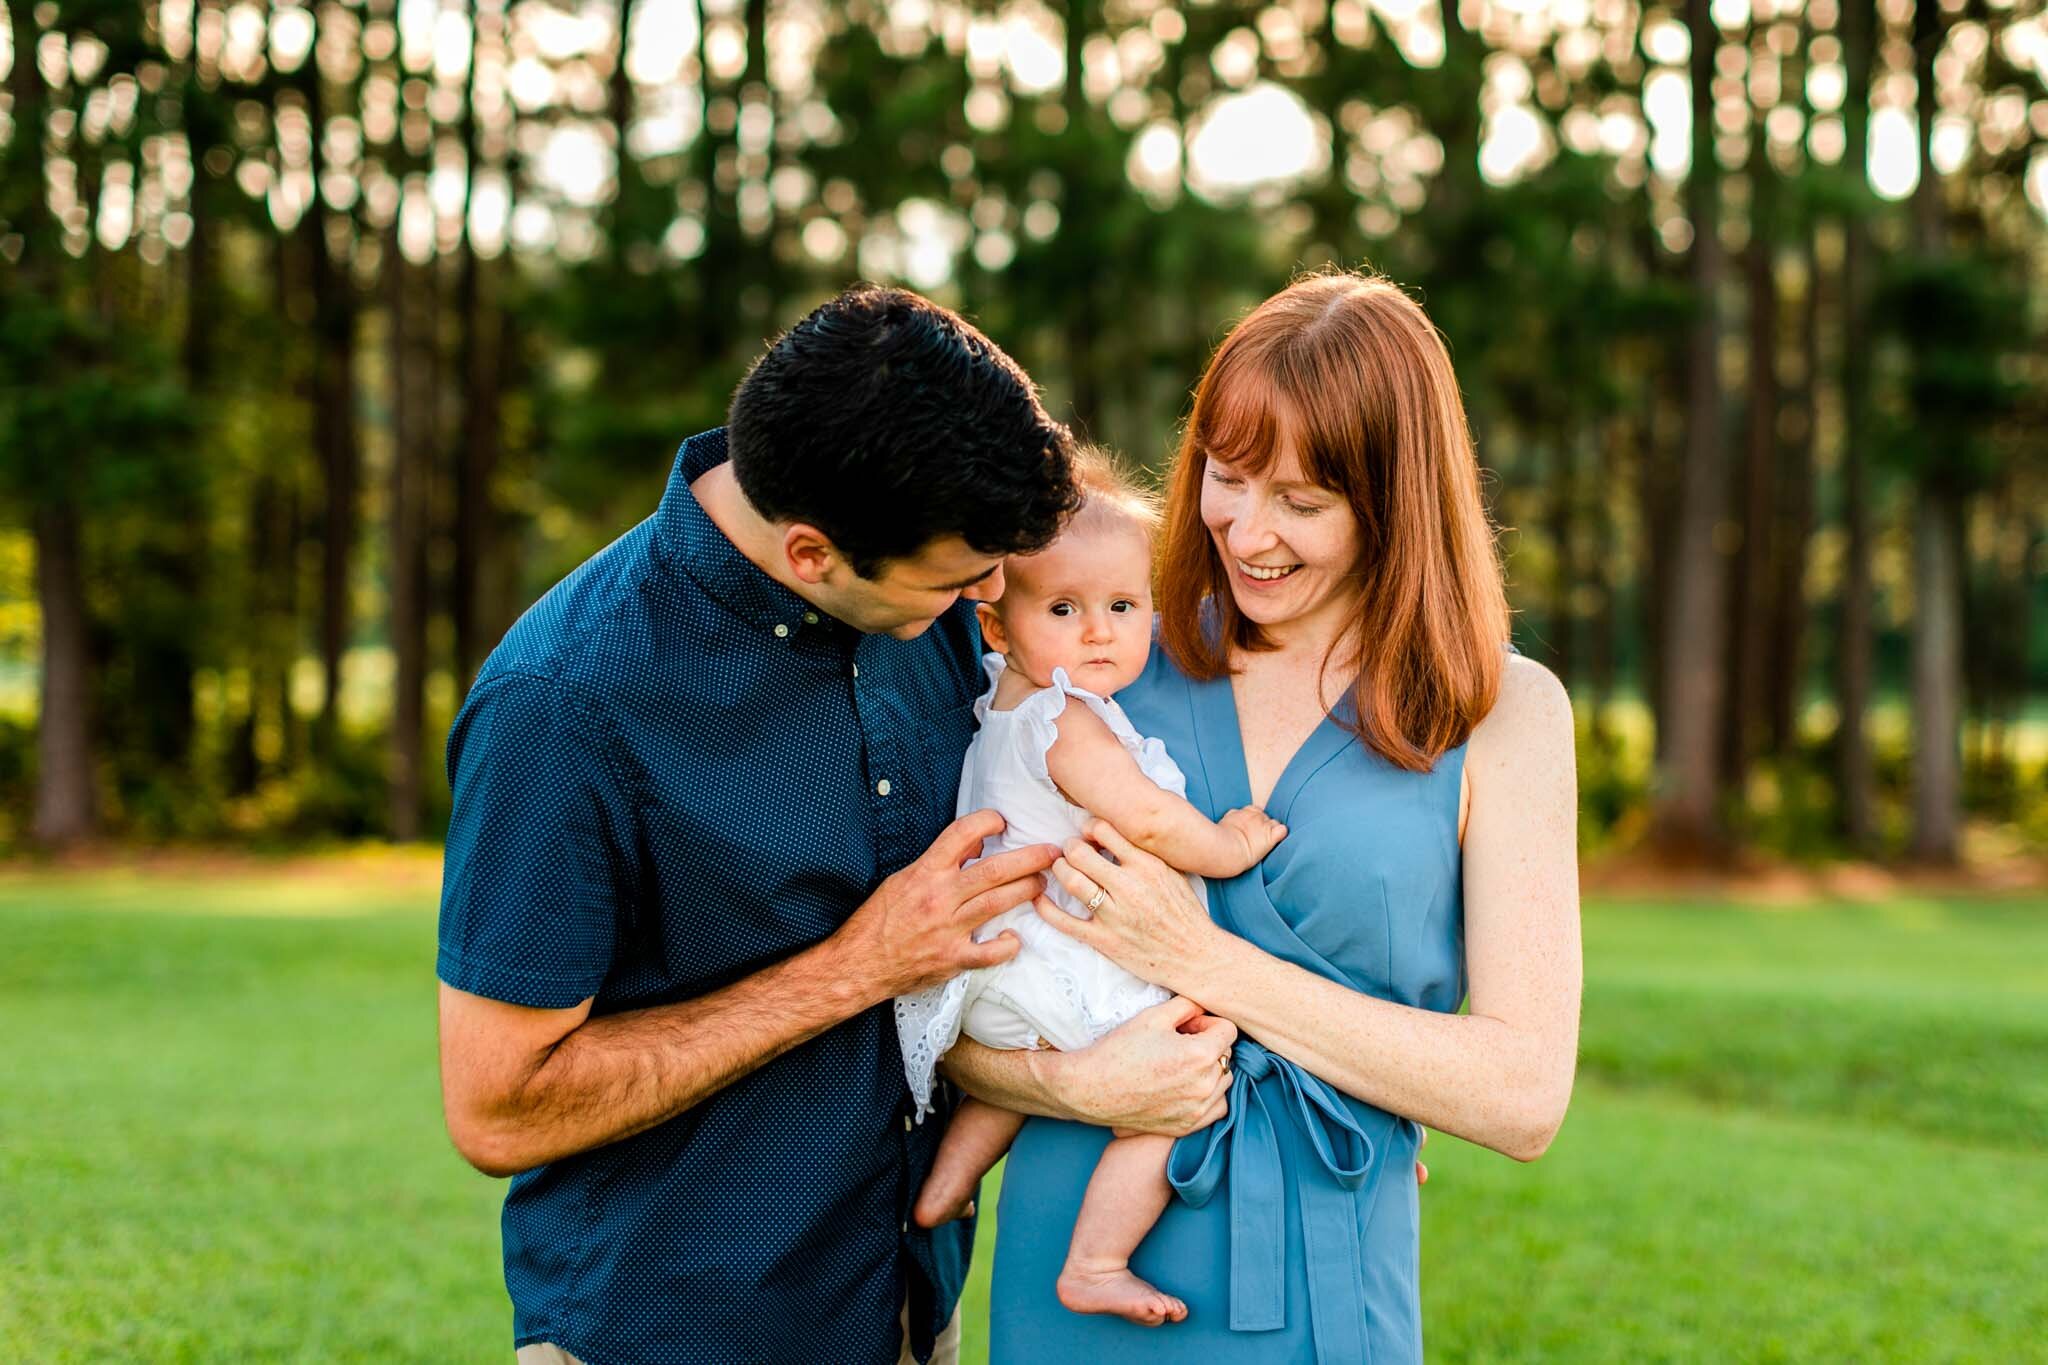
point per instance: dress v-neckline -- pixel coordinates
(1221, 739)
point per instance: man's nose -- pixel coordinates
(987, 590)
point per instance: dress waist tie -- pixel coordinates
(1245, 1143)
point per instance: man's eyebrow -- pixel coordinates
(968, 582)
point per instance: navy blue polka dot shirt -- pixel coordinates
(672, 773)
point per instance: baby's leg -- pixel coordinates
(974, 1141)
(1125, 1197)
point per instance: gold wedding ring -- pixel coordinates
(1095, 901)
(1223, 1063)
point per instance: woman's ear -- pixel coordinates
(993, 635)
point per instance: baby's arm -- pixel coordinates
(1098, 774)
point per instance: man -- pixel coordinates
(700, 841)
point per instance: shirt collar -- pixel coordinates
(687, 541)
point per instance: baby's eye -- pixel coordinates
(1063, 609)
(1123, 604)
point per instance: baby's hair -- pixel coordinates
(1112, 498)
(1108, 485)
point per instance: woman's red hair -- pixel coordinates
(1347, 370)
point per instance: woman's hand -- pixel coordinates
(1147, 919)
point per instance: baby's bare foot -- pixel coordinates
(1120, 1292)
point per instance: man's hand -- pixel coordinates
(918, 928)
(1162, 1072)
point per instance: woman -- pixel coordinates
(1335, 649)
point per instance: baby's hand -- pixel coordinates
(1255, 829)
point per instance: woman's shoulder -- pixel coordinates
(1531, 716)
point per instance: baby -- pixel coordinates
(1073, 626)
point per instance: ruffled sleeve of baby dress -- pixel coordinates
(1045, 708)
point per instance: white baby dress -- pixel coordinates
(1055, 990)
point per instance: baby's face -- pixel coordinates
(1083, 604)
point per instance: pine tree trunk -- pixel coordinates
(1663, 394)
(283, 637)
(1937, 546)
(475, 517)
(335, 438)
(1457, 123)
(618, 111)
(1748, 623)
(1564, 493)
(412, 424)
(720, 268)
(481, 372)
(1795, 524)
(66, 809)
(1613, 461)
(1937, 678)
(1685, 814)
(1855, 772)
(1082, 327)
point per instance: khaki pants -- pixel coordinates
(945, 1352)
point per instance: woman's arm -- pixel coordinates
(1499, 1076)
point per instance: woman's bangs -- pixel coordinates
(1328, 436)
(1243, 419)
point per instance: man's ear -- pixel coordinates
(992, 633)
(810, 552)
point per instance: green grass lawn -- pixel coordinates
(1811, 1135)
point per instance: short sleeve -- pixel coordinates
(530, 887)
(1039, 715)
(1037, 722)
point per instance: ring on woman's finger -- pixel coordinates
(1095, 901)
(1223, 1063)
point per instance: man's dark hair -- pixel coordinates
(887, 422)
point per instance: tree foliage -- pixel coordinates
(332, 331)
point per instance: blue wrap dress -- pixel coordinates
(1294, 1236)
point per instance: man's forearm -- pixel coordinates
(620, 1074)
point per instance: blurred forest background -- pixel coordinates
(331, 333)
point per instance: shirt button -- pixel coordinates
(882, 787)
(810, 618)
(781, 632)
(907, 1124)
